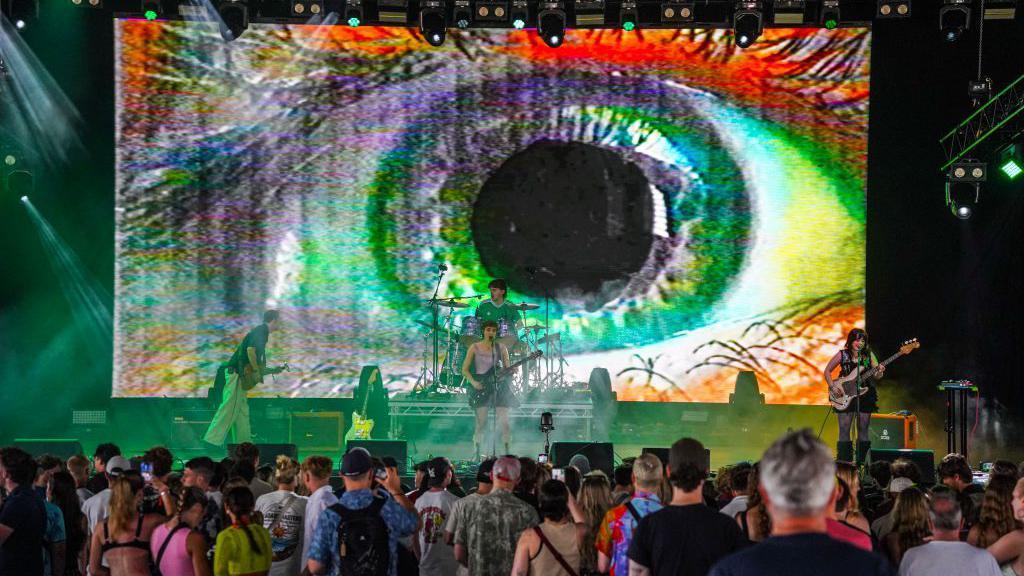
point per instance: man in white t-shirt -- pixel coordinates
(283, 514)
(433, 507)
(946, 554)
(316, 474)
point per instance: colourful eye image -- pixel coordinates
(675, 208)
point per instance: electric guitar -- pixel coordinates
(362, 426)
(249, 378)
(842, 392)
(488, 379)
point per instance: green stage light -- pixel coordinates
(831, 24)
(628, 26)
(1011, 161)
(150, 14)
(1011, 168)
(519, 23)
(353, 21)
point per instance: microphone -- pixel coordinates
(442, 267)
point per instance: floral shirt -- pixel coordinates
(490, 529)
(616, 531)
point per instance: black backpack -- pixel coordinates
(363, 540)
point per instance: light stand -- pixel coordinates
(547, 424)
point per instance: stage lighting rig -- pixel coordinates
(393, 11)
(20, 12)
(893, 9)
(747, 23)
(789, 12)
(520, 14)
(961, 198)
(1000, 9)
(628, 17)
(307, 7)
(88, 3)
(551, 23)
(234, 16)
(354, 12)
(152, 9)
(16, 177)
(677, 11)
(589, 13)
(954, 19)
(432, 22)
(829, 17)
(1010, 160)
(488, 11)
(462, 14)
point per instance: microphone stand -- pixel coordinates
(494, 396)
(433, 319)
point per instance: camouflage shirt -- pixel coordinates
(490, 531)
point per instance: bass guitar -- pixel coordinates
(249, 378)
(845, 390)
(489, 378)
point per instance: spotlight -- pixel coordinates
(789, 12)
(551, 24)
(307, 7)
(968, 171)
(234, 15)
(954, 19)
(962, 197)
(893, 9)
(24, 199)
(677, 12)
(747, 24)
(628, 16)
(493, 12)
(462, 14)
(88, 3)
(829, 17)
(354, 12)
(432, 24)
(520, 14)
(20, 12)
(1011, 160)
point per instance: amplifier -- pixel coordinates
(893, 431)
(317, 431)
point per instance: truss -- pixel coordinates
(999, 117)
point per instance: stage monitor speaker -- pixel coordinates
(270, 452)
(925, 460)
(662, 454)
(318, 432)
(62, 448)
(381, 448)
(893, 431)
(599, 454)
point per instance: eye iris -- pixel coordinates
(580, 211)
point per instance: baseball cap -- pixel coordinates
(506, 468)
(897, 485)
(483, 473)
(356, 462)
(581, 463)
(118, 464)
(437, 471)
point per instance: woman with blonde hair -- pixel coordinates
(284, 514)
(850, 512)
(594, 501)
(996, 516)
(177, 547)
(123, 539)
(910, 524)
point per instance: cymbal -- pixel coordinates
(535, 327)
(450, 304)
(525, 306)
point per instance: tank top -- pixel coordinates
(563, 538)
(176, 559)
(848, 366)
(483, 360)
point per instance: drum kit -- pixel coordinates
(447, 340)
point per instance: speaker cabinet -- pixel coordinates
(270, 452)
(62, 448)
(381, 448)
(893, 431)
(925, 460)
(598, 453)
(317, 431)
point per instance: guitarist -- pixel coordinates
(486, 358)
(234, 407)
(855, 356)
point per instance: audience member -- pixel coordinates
(619, 523)
(841, 530)
(372, 522)
(911, 525)
(849, 510)
(686, 536)
(78, 467)
(283, 512)
(755, 523)
(874, 495)
(797, 482)
(316, 475)
(486, 538)
(199, 472)
(581, 463)
(739, 484)
(97, 507)
(723, 486)
(120, 543)
(434, 508)
(419, 480)
(244, 546)
(996, 516)
(573, 480)
(266, 473)
(53, 537)
(248, 452)
(1004, 468)
(553, 547)
(623, 489)
(527, 489)
(62, 493)
(457, 514)
(156, 496)
(22, 516)
(955, 472)
(594, 502)
(46, 466)
(177, 547)
(103, 453)
(883, 525)
(945, 553)
(1009, 550)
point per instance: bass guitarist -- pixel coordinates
(486, 359)
(855, 357)
(247, 364)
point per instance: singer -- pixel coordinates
(489, 391)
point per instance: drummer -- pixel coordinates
(498, 308)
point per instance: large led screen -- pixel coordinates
(677, 208)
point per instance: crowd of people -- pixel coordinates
(796, 511)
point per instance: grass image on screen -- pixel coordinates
(328, 171)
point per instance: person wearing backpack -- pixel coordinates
(619, 524)
(178, 548)
(359, 535)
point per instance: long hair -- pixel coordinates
(123, 507)
(63, 495)
(763, 521)
(553, 500)
(910, 519)
(595, 501)
(996, 516)
(287, 469)
(854, 335)
(240, 501)
(848, 474)
(189, 497)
